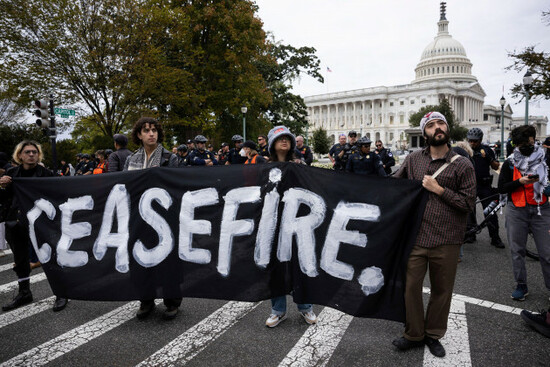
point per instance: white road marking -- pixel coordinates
(4, 288)
(54, 348)
(455, 341)
(20, 313)
(482, 303)
(186, 346)
(318, 343)
(6, 267)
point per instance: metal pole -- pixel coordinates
(526, 106)
(53, 134)
(502, 134)
(244, 126)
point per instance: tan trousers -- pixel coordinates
(441, 262)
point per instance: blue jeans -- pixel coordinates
(278, 306)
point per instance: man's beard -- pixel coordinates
(434, 142)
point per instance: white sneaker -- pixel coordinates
(274, 320)
(310, 317)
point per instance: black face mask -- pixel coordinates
(527, 150)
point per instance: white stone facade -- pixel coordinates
(444, 71)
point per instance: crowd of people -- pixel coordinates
(453, 176)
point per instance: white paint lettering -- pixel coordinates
(189, 226)
(337, 234)
(73, 231)
(302, 227)
(119, 202)
(230, 227)
(152, 257)
(44, 253)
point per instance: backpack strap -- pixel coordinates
(454, 158)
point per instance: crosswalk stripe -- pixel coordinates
(20, 313)
(318, 343)
(455, 341)
(74, 338)
(6, 267)
(482, 303)
(186, 346)
(4, 288)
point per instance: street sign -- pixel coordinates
(63, 112)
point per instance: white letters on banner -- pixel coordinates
(292, 226)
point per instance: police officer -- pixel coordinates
(183, 155)
(334, 153)
(365, 162)
(201, 156)
(262, 146)
(223, 154)
(303, 151)
(484, 159)
(388, 161)
(349, 148)
(234, 156)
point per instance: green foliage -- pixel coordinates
(13, 134)
(457, 132)
(287, 108)
(321, 143)
(191, 64)
(538, 62)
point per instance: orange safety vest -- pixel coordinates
(525, 193)
(100, 168)
(251, 161)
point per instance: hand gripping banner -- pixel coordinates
(246, 233)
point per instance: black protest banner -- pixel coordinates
(245, 233)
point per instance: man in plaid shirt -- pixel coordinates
(452, 196)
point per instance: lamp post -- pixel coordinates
(502, 103)
(527, 81)
(243, 110)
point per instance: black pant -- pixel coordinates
(484, 192)
(18, 238)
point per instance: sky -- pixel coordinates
(369, 43)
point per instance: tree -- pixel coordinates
(95, 52)
(287, 108)
(538, 62)
(321, 143)
(456, 132)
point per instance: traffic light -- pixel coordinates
(43, 113)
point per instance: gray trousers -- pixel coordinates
(521, 221)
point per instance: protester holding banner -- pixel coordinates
(282, 145)
(28, 154)
(149, 134)
(451, 181)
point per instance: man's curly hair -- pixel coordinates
(138, 126)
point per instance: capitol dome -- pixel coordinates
(444, 58)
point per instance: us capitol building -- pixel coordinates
(444, 71)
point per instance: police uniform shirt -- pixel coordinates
(365, 164)
(234, 157)
(263, 151)
(482, 158)
(305, 153)
(386, 156)
(196, 157)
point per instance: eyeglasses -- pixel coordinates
(30, 151)
(260, 139)
(284, 138)
(378, 145)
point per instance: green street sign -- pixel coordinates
(63, 112)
